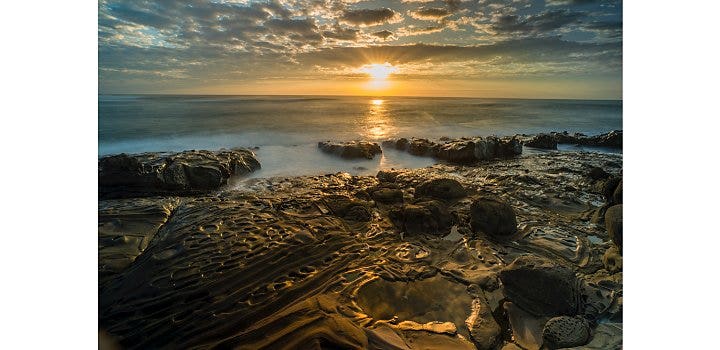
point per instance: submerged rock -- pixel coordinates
(564, 331)
(544, 141)
(614, 224)
(428, 217)
(541, 287)
(183, 173)
(492, 217)
(442, 188)
(351, 149)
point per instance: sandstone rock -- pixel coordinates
(541, 287)
(544, 141)
(429, 217)
(618, 193)
(484, 330)
(492, 217)
(347, 208)
(614, 224)
(462, 151)
(183, 173)
(388, 195)
(612, 260)
(352, 149)
(565, 331)
(596, 173)
(442, 188)
(387, 175)
(421, 147)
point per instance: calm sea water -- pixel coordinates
(287, 129)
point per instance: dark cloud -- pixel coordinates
(304, 28)
(369, 17)
(340, 33)
(522, 50)
(608, 29)
(539, 23)
(430, 13)
(383, 34)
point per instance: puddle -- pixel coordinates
(432, 299)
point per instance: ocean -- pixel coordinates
(286, 129)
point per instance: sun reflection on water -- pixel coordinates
(378, 124)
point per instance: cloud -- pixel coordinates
(430, 13)
(370, 17)
(383, 34)
(538, 23)
(340, 33)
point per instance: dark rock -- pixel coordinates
(609, 188)
(352, 149)
(427, 217)
(421, 147)
(441, 188)
(388, 195)
(612, 260)
(618, 193)
(544, 141)
(492, 217)
(564, 332)
(612, 139)
(402, 143)
(541, 287)
(614, 224)
(509, 147)
(462, 151)
(596, 173)
(184, 173)
(347, 208)
(387, 175)
(486, 148)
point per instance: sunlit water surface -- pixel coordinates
(287, 128)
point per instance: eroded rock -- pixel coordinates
(544, 141)
(566, 331)
(492, 217)
(614, 224)
(442, 188)
(429, 217)
(351, 149)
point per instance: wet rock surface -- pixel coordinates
(493, 217)
(564, 332)
(544, 141)
(611, 139)
(460, 151)
(351, 149)
(307, 262)
(183, 173)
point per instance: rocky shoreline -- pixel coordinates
(490, 250)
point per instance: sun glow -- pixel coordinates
(378, 71)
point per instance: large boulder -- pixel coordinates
(442, 188)
(461, 151)
(387, 195)
(618, 193)
(614, 224)
(352, 149)
(425, 217)
(597, 173)
(492, 217)
(565, 331)
(509, 147)
(486, 148)
(183, 173)
(544, 141)
(541, 287)
(347, 208)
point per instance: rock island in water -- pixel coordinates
(488, 249)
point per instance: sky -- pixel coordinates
(463, 48)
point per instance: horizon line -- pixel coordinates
(367, 96)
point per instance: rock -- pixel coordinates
(462, 151)
(388, 195)
(421, 147)
(609, 188)
(442, 188)
(484, 330)
(612, 260)
(387, 175)
(614, 224)
(618, 193)
(427, 217)
(541, 287)
(544, 141)
(347, 208)
(183, 173)
(565, 331)
(352, 149)
(492, 217)
(509, 147)
(596, 174)
(612, 139)
(485, 149)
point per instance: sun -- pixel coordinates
(378, 71)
